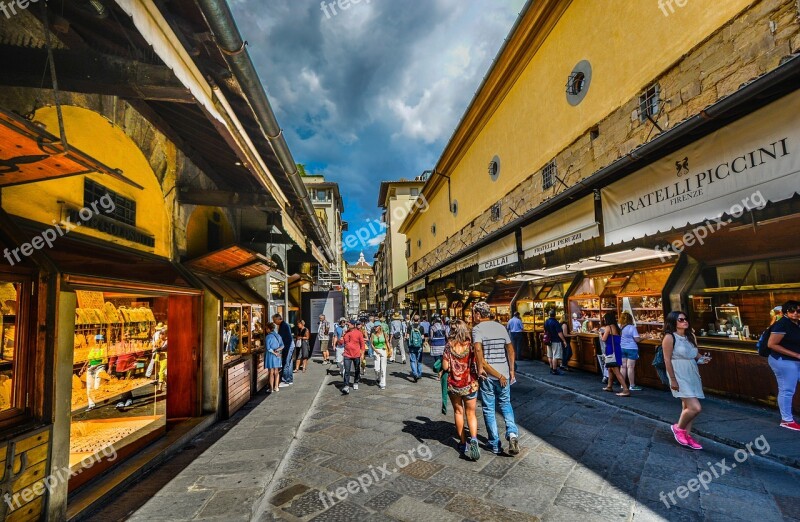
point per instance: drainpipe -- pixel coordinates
(219, 17)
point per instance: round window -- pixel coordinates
(578, 82)
(494, 168)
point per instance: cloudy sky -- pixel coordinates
(374, 91)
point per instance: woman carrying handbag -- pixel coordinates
(613, 354)
(302, 349)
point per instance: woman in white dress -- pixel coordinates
(681, 359)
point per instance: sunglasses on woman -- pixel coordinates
(683, 320)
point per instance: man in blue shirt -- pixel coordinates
(288, 342)
(515, 331)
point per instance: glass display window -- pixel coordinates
(10, 370)
(119, 382)
(736, 302)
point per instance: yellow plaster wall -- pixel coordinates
(100, 138)
(629, 44)
(197, 231)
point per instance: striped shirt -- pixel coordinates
(493, 337)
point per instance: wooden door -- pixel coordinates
(184, 375)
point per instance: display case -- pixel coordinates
(730, 305)
(642, 298)
(456, 309)
(8, 308)
(502, 298)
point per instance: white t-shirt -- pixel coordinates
(324, 325)
(627, 342)
(494, 337)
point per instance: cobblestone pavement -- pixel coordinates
(390, 455)
(581, 460)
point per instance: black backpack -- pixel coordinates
(763, 343)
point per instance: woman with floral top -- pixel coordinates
(460, 360)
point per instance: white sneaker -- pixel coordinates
(355, 386)
(346, 390)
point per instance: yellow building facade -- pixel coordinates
(522, 117)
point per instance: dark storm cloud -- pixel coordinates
(373, 92)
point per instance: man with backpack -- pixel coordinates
(437, 338)
(398, 333)
(416, 336)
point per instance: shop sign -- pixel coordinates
(500, 253)
(113, 228)
(701, 304)
(416, 287)
(90, 300)
(739, 167)
(565, 227)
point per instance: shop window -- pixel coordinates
(414, 192)
(549, 175)
(495, 212)
(124, 208)
(11, 360)
(119, 382)
(735, 302)
(650, 102)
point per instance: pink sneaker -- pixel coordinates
(693, 443)
(680, 435)
(791, 425)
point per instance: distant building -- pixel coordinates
(361, 272)
(329, 206)
(397, 199)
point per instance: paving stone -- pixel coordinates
(534, 499)
(342, 512)
(316, 476)
(409, 485)
(788, 506)
(287, 494)
(421, 469)
(345, 466)
(468, 482)
(411, 510)
(441, 496)
(737, 502)
(658, 511)
(308, 503)
(612, 508)
(230, 503)
(383, 500)
(185, 506)
(481, 510)
(564, 514)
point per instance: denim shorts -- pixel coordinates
(633, 355)
(473, 395)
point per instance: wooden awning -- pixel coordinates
(28, 154)
(233, 262)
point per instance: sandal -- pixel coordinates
(624, 394)
(609, 390)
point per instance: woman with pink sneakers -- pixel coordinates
(681, 359)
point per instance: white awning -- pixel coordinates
(452, 268)
(742, 166)
(500, 253)
(416, 286)
(568, 226)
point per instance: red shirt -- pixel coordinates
(353, 343)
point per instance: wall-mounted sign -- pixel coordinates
(500, 253)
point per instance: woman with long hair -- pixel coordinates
(784, 359)
(681, 358)
(272, 358)
(460, 360)
(611, 336)
(302, 348)
(629, 339)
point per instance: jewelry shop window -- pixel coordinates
(13, 392)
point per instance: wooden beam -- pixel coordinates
(221, 198)
(91, 72)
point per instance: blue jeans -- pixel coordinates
(493, 395)
(787, 372)
(415, 355)
(288, 376)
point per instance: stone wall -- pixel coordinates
(742, 50)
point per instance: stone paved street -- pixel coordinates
(581, 460)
